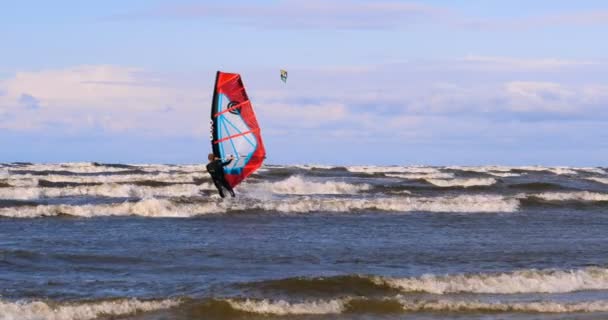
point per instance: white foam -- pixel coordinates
(166, 208)
(394, 169)
(524, 281)
(463, 203)
(462, 182)
(22, 181)
(481, 169)
(555, 170)
(301, 186)
(572, 196)
(419, 176)
(39, 310)
(593, 170)
(29, 180)
(158, 208)
(339, 306)
(76, 167)
(504, 174)
(281, 307)
(497, 171)
(477, 306)
(600, 180)
(313, 166)
(90, 168)
(105, 190)
(563, 171)
(295, 185)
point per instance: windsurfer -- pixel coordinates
(215, 167)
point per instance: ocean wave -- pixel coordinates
(569, 196)
(481, 169)
(281, 307)
(462, 203)
(212, 205)
(421, 176)
(496, 171)
(100, 169)
(473, 182)
(509, 171)
(75, 167)
(600, 180)
(595, 170)
(40, 310)
(143, 208)
(554, 170)
(300, 186)
(313, 166)
(32, 180)
(517, 282)
(477, 306)
(295, 185)
(393, 169)
(401, 304)
(536, 186)
(504, 174)
(524, 281)
(3, 173)
(105, 190)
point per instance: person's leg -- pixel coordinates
(227, 186)
(218, 185)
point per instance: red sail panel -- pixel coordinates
(235, 129)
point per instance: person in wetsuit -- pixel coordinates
(215, 167)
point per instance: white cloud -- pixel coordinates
(302, 115)
(494, 63)
(527, 96)
(85, 86)
(404, 99)
(97, 97)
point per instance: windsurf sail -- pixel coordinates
(284, 75)
(234, 128)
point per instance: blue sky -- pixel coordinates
(371, 82)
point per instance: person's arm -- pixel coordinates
(227, 162)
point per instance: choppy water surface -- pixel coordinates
(114, 241)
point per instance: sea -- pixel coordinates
(152, 242)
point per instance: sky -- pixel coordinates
(382, 82)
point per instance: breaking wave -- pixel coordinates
(300, 186)
(477, 306)
(281, 307)
(104, 190)
(295, 185)
(421, 176)
(525, 281)
(97, 168)
(516, 282)
(167, 208)
(401, 304)
(571, 196)
(391, 169)
(29, 180)
(40, 310)
(474, 182)
(600, 180)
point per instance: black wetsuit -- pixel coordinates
(216, 170)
